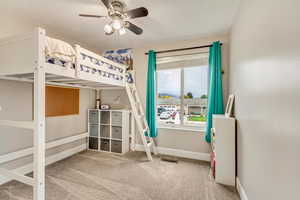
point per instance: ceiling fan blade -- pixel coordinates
(138, 12)
(134, 28)
(95, 16)
(106, 3)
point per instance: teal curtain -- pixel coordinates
(151, 94)
(215, 92)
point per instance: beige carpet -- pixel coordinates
(97, 176)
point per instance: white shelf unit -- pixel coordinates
(223, 146)
(108, 130)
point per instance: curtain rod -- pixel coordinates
(186, 54)
(183, 49)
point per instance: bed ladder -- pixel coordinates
(139, 116)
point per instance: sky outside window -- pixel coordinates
(195, 81)
(169, 82)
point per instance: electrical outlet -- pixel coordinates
(0, 108)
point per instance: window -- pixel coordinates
(182, 94)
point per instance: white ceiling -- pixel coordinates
(168, 20)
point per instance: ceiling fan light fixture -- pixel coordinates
(120, 17)
(108, 29)
(122, 31)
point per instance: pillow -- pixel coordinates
(59, 49)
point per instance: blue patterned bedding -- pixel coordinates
(101, 63)
(87, 69)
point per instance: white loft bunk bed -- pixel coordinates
(26, 59)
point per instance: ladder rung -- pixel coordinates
(145, 130)
(141, 116)
(133, 89)
(149, 144)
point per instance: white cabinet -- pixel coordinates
(108, 130)
(223, 145)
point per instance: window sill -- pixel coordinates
(182, 128)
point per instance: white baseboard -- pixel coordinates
(241, 190)
(51, 159)
(178, 153)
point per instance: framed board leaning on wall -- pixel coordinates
(62, 101)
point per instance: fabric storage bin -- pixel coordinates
(104, 146)
(105, 117)
(116, 118)
(93, 116)
(116, 132)
(116, 146)
(94, 130)
(105, 131)
(93, 143)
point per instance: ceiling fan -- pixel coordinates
(119, 17)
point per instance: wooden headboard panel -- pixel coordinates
(61, 101)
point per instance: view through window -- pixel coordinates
(182, 96)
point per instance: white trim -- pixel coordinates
(178, 153)
(66, 140)
(17, 124)
(26, 152)
(182, 128)
(51, 159)
(241, 189)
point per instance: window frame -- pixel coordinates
(181, 126)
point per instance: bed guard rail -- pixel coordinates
(99, 64)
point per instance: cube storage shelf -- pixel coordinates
(108, 130)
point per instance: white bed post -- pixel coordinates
(39, 117)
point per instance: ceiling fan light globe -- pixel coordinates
(108, 29)
(117, 24)
(109, 33)
(122, 31)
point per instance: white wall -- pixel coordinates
(16, 101)
(15, 26)
(264, 75)
(168, 138)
